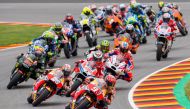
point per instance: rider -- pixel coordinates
(76, 25)
(136, 10)
(95, 62)
(109, 92)
(104, 46)
(122, 11)
(56, 30)
(126, 56)
(171, 23)
(62, 74)
(165, 10)
(133, 34)
(49, 44)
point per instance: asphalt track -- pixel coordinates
(145, 61)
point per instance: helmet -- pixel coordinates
(166, 17)
(109, 10)
(135, 6)
(86, 11)
(69, 18)
(161, 4)
(48, 36)
(165, 9)
(122, 7)
(124, 47)
(57, 27)
(105, 46)
(175, 6)
(66, 69)
(93, 7)
(97, 56)
(38, 51)
(129, 28)
(110, 80)
(169, 5)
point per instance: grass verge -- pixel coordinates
(17, 34)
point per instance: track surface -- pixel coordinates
(145, 61)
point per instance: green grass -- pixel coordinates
(16, 34)
(187, 90)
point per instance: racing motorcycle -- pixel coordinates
(126, 38)
(87, 96)
(70, 41)
(82, 72)
(100, 14)
(133, 19)
(22, 70)
(114, 66)
(89, 30)
(179, 19)
(112, 23)
(48, 88)
(151, 15)
(164, 41)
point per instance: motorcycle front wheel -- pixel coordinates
(159, 52)
(45, 93)
(14, 80)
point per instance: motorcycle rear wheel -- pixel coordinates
(14, 80)
(89, 40)
(66, 51)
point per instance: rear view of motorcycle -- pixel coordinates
(89, 30)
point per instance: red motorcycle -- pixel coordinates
(46, 87)
(87, 96)
(83, 71)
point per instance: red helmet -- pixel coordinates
(124, 47)
(66, 69)
(69, 18)
(110, 80)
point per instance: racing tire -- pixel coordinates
(51, 64)
(66, 51)
(14, 80)
(159, 52)
(83, 104)
(165, 55)
(41, 97)
(89, 40)
(181, 29)
(144, 40)
(75, 85)
(95, 42)
(29, 99)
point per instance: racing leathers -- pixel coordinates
(128, 59)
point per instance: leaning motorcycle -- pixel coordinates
(164, 41)
(179, 19)
(87, 96)
(100, 14)
(89, 30)
(46, 90)
(83, 71)
(22, 70)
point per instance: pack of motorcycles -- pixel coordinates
(21, 71)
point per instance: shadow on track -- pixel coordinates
(46, 104)
(22, 87)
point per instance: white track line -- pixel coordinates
(131, 92)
